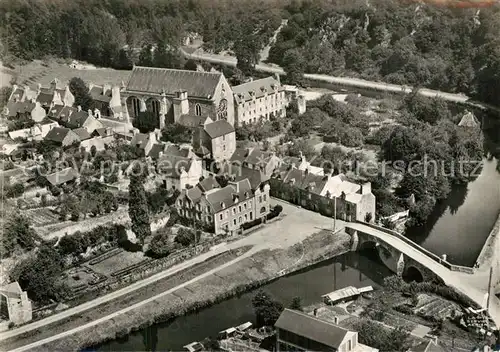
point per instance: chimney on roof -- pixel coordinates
(115, 97)
(248, 151)
(152, 136)
(78, 108)
(106, 88)
(38, 88)
(89, 111)
(366, 188)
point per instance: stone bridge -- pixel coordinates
(405, 257)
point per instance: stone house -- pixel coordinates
(83, 119)
(256, 159)
(326, 194)
(62, 136)
(54, 95)
(108, 101)
(169, 94)
(14, 303)
(215, 140)
(225, 209)
(36, 132)
(259, 100)
(145, 141)
(179, 170)
(16, 109)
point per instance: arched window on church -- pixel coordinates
(197, 110)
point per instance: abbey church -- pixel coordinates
(178, 96)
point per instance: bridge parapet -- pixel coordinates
(436, 258)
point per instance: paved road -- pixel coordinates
(344, 81)
(474, 286)
(294, 228)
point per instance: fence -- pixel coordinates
(436, 258)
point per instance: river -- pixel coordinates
(356, 269)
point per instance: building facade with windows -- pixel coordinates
(170, 94)
(215, 140)
(225, 209)
(259, 100)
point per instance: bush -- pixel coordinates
(274, 212)
(250, 224)
(123, 241)
(185, 237)
(15, 190)
(160, 246)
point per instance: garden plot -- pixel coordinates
(435, 307)
(116, 262)
(41, 216)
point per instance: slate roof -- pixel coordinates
(171, 165)
(306, 180)
(82, 133)
(208, 184)
(174, 149)
(253, 156)
(77, 119)
(426, 346)
(101, 132)
(62, 113)
(44, 98)
(219, 128)
(140, 140)
(194, 194)
(222, 198)
(311, 327)
(156, 149)
(190, 120)
(63, 176)
(12, 290)
(96, 92)
(156, 80)
(19, 108)
(255, 177)
(259, 87)
(57, 134)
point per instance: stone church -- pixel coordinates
(175, 94)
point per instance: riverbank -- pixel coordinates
(245, 274)
(491, 249)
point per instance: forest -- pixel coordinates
(455, 50)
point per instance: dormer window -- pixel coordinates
(222, 205)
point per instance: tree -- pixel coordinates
(377, 336)
(18, 234)
(177, 133)
(191, 65)
(296, 304)
(39, 275)
(146, 121)
(294, 66)
(266, 309)
(138, 204)
(81, 92)
(246, 50)
(160, 245)
(185, 237)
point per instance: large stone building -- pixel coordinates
(170, 94)
(225, 209)
(259, 100)
(297, 331)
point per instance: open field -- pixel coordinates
(41, 216)
(44, 72)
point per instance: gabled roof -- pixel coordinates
(208, 184)
(82, 133)
(12, 290)
(174, 149)
(306, 180)
(62, 176)
(190, 120)
(156, 149)
(57, 134)
(172, 165)
(258, 87)
(255, 177)
(96, 92)
(156, 80)
(223, 198)
(140, 140)
(78, 119)
(252, 156)
(312, 328)
(219, 128)
(44, 98)
(62, 113)
(19, 108)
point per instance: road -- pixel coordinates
(294, 228)
(344, 81)
(475, 286)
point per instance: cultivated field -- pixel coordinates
(41, 216)
(44, 72)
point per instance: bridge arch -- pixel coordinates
(413, 274)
